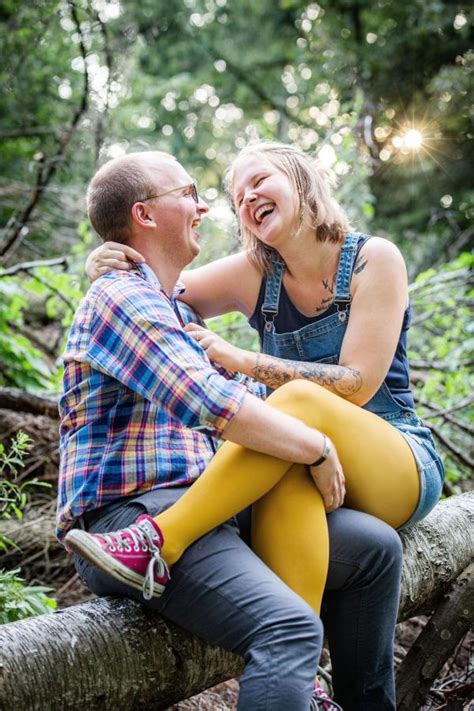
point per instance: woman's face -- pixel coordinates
(265, 198)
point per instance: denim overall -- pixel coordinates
(321, 342)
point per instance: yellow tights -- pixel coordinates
(289, 527)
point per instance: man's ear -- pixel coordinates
(142, 216)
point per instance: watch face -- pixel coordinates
(325, 453)
(327, 449)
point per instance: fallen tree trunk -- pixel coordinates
(436, 551)
(447, 626)
(35, 531)
(116, 654)
(22, 401)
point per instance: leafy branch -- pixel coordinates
(12, 495)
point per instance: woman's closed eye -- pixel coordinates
(256, 182)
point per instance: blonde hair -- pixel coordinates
(314, 193)
(114, 189)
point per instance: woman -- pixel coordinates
(331, 308)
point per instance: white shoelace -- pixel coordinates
(143, 541)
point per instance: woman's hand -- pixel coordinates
(111, 255)
(217, 349)
(329, 479)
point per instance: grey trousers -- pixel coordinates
(222, 592)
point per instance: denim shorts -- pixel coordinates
(429, 464)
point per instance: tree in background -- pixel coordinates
(379, 91)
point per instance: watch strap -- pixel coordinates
(325, 454)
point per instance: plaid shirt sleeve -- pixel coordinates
(136, 338)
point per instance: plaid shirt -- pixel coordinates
(142, 403)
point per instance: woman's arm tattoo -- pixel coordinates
(275, 372)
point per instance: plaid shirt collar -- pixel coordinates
(147, 273)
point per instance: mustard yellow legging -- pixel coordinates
(289, 527)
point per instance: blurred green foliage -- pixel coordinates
(17, 600)
(86, 80)
(441, 348)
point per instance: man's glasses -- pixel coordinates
(192, 191)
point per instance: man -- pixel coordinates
(140, 408)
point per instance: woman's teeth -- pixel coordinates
(263, 211)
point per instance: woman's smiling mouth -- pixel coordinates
(262, 211)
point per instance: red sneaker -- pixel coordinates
(131, 555)
(320, 701)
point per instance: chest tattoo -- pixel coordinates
(330, 287)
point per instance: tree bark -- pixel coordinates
(115, 654)
(20, 400)
(436, 551)
(436, 643)
(109, 654)
(35, 531)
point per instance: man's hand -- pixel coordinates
(329, 479)
(217, 349)
(111, 255)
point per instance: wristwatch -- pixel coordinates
(324, 455)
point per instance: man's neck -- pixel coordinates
(167, 274)
(161, 263)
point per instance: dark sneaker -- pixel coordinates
(320, 701)
(131, 555)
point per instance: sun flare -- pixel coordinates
(412, 139)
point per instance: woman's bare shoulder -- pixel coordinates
(227, 284)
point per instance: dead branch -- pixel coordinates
(436, 550)
(99, 134)
(436, 643)
(17, 231)
(20, 400)
(452, 448)
(28, 266)
(464, 274)
(444, 414)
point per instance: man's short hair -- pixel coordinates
(114, 189)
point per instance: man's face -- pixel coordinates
(176, 212)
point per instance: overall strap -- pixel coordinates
(342, 297)
(273, 284)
